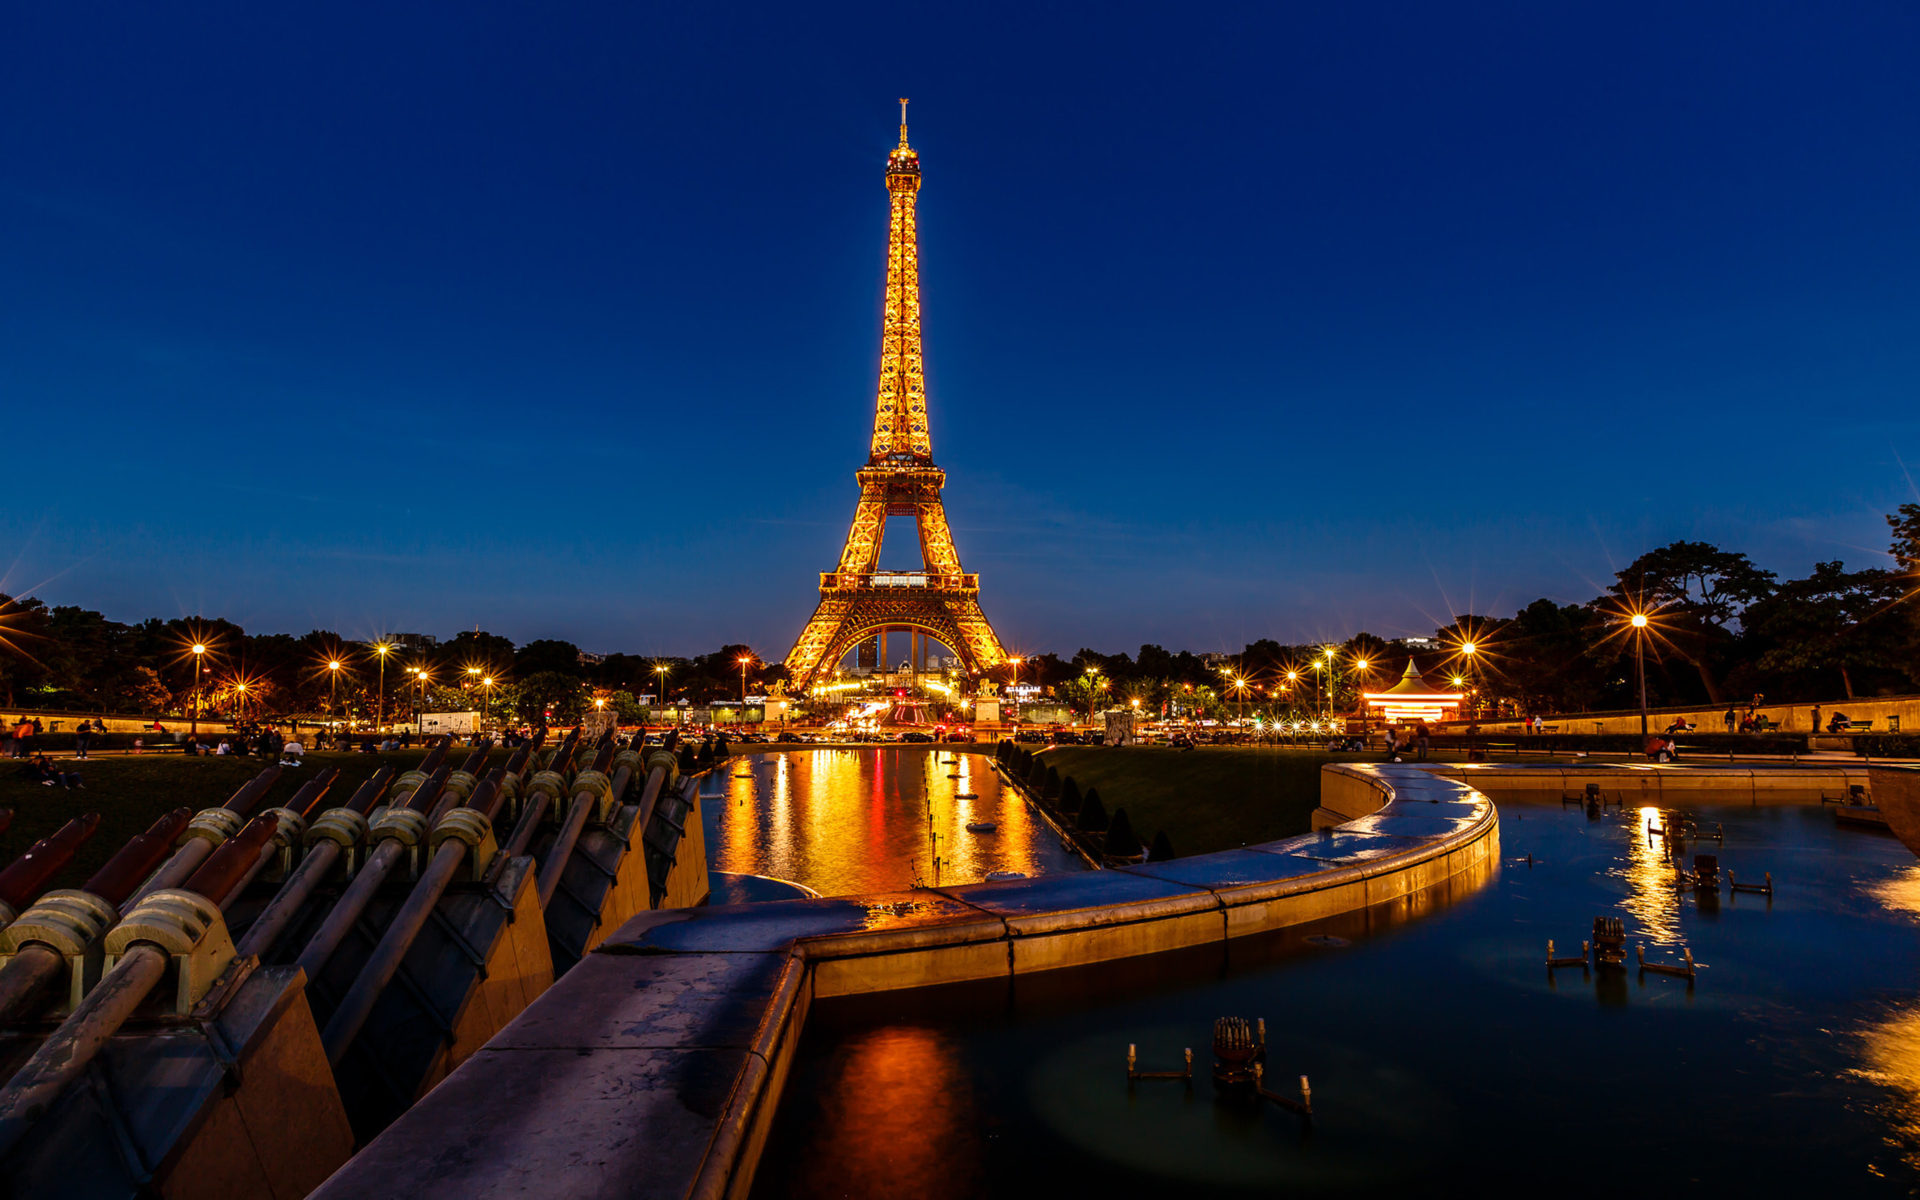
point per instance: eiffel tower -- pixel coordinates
(858, 601)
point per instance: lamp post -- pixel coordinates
(240, 696)
(1013, 701)
(1092, 681)
(333, 684)
(1639, 623)
(199, 651)
(486, 699)
(1467, 651)
(745, 660)
(380, 718)
(1360, 668)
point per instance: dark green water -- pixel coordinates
(1442, 1056)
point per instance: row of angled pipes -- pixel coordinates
(200, 863)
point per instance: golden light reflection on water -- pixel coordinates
(1900, 891)
(875, 819)
(904, 1120)
(1890, 1057)
(1652, 900)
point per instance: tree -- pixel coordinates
(1833, 620)
(1699, 592)
(1549, 659)
(551, 696)
(547, 655)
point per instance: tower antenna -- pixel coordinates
(903, 120)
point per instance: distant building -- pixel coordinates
(1414, 698)
(591, 660)
(416, 643)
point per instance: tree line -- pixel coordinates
(1720, 630)
(65, 657)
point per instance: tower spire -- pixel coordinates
(900, 411)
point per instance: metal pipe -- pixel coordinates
(576, 820)
(136, 860)
(313, 791)
(450, 798)
(35, 966)
(66, 1053)
(354, 900)
(357, 1004)
(27, 875)
(536, 809)
(303, 802)
(221, 877)
(187, 859)
(313, 869)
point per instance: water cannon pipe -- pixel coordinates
(26, 876)
(136, 860)
(67, 1051)
(36, 965)
(404, 836)
(312, 871)
(219, 878)
(187, 859)
(540, 801)
(576, 820)
(351, 1014)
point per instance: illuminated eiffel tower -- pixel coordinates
(858, 601)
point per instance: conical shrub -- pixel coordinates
(1121, 840)
(1093, 814)
(1162, 848)
(1050, 789)
(1069, 801)
(1037, 775)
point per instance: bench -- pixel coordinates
(1859, 726)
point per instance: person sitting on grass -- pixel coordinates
(41, 770)
(290, 754)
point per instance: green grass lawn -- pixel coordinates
(131, 791)
(1222, 797)
(1213, 798)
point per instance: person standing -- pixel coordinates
(1816, 718)
(23, 738)
(1422, 739)
(81, 737)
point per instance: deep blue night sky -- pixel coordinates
(1241, 322)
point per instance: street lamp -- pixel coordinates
(1467, 651)
(333, 684)
(661, 670)
(1639, 623)
(1013, 681)
(486, 699)
(745, 660)
(1360, 668)
(380, 718)
(199, 651)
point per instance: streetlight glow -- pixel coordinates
(1639, 620)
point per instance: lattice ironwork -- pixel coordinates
(898, 480)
